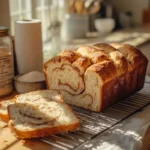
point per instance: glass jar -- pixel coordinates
(6, 63)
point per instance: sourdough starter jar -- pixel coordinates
(6, 63)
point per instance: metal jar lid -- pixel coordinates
(3, 31)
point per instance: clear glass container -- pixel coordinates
(6, 63)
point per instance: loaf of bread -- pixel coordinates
(94, 77)
(38, 114)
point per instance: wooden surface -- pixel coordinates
(10, 96)
(10, 142)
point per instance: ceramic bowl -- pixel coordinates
(25, 87)
(105, 25)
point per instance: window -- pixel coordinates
(19, 9)
(45, 10)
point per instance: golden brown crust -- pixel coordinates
(94, 53)
(71, 54)
(44, 131)
(45, 74)
(83, 61)
(120, 61)
(82, 64)
(115, 90)
(133, 55)
(4, 117)
(136, 54)
(100, 57)
(138, 63)
(85, 50)
(106, 47)
(105, 69)
(116, 57)
(88, 51)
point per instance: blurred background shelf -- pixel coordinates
(139, 37)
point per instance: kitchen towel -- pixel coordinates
(28, 45)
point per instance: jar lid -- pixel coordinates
(3, 31)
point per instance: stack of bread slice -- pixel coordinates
(39, 113)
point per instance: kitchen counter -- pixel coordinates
(139, 37)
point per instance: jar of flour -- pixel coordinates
(6, 63)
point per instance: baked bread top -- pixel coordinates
(108, 60)
(94, 77)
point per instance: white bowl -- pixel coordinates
(105, 25)
(25, 87)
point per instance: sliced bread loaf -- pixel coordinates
(95, 77)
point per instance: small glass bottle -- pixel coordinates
(6, 63)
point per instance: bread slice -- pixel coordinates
(29, 121)
(39, 96)
(40, 113)
(31, 97)
(3, 109)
